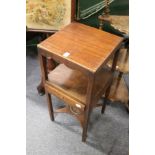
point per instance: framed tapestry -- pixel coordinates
(49, 15)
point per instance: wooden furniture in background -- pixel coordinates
(80, 79)
(119, 90)
(118, 22)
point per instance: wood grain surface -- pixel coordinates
(88, 47)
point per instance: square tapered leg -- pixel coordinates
(50, 106)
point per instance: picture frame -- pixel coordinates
(49, 15)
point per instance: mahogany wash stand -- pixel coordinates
(80, 77)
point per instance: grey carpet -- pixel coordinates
(107, 133)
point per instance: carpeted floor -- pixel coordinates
(107, 133)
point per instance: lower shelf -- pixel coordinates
(71, 85)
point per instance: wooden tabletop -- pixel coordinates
(81, 45)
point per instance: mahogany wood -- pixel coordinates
(73, 35)
(50, 107)
(74, 83)
(80, 79)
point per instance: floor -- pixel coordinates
(108, 134)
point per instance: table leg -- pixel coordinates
(50, 106)
(89, 101)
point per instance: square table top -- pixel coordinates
(82, 45)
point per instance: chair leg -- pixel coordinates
(105, 99)
(50, 106)
(40, 88)
(103, 107)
